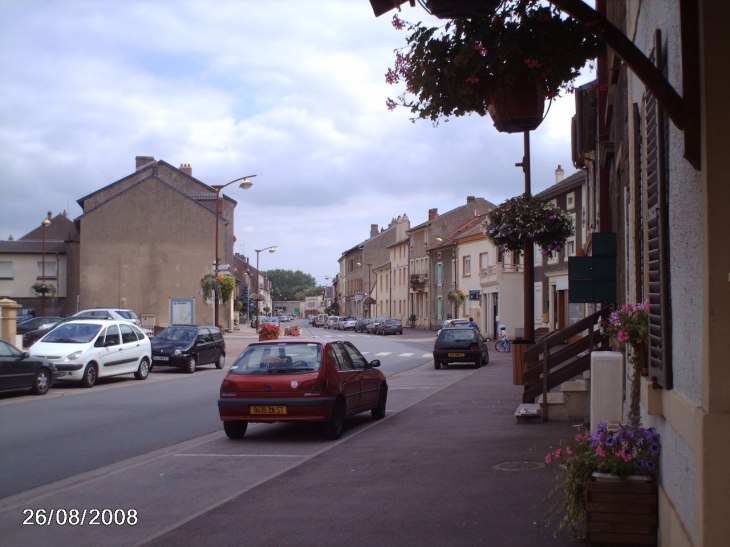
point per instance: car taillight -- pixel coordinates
(437, 348)
(320, 384)
(474, 346)
(228, 385)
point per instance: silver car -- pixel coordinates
(346, 323)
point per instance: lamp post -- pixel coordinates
(245, 185)
(271, 249)
(45, 223)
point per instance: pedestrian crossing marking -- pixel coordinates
(427, 355)
(383, 353)
(406, 355)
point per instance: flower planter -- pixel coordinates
(622, 512)
(263, 337)
(516, 106)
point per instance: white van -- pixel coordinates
(321, 320)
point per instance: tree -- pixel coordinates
(287, 283)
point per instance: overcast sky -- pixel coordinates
(293, 91)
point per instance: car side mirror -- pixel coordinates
(374, 363)
(25, 355)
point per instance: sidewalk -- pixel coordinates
(455, 469)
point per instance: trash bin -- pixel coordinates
(519, 365)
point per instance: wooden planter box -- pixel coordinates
(621, 513)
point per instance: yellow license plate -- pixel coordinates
(268, 410)
(456, 355)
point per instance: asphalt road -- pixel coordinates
(73, 430)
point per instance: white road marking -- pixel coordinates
(427, 355)
(383, 353)
(405, 355)
(244, 455)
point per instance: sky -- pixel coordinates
(292, 91)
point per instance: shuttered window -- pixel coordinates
(657, 246)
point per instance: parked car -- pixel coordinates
(390, 326)
(188, 347)
(372, 327)
(322, 320)
(313, 380)
(117, 314)
(284, 319)
(37, 323)
(362, 324)
(332, 322)
(346, 323)
(449, 323)
(84, 350)
(20, 371)
(460, 345)
(30, 338)
(270, 320)
(313, 320)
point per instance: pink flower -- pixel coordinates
(391, 104)
(623, 336)
(398, 22)
(558, 453)
(600, 452)
(548, 459)
(533, 64)
(481, 49)
(472, 80)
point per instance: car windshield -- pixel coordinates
(177, 334)
(73, 333)
(457, 335)
(279, 359)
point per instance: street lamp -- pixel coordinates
(45, 223)
(245, 185)
(271, 249)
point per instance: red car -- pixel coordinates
(301, 381)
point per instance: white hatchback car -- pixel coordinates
(86, 349)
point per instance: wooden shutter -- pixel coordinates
(657, 242)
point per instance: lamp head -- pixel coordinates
(246, 184)
(272, 250)
(46, 222)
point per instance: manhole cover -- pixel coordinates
(518, 466)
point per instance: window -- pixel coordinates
(355, 356)
(6, 270)
(128, 334)
(50, 270)
(483, 261)
(570, 201)
(467, 266)
(340, 358)
(538, 255)
(570, 243)
(439, 307)
(439, 274)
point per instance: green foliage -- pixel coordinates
(313, 291)
(288, 283)
(210, 286)
(525, 218)
(227, 286)
(47, 288)
(458, 298)
(452, 70)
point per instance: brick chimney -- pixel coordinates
(143, 161)
(559, 174)
(373, 230)
(186, 168)
(433, 213)
(471, 199)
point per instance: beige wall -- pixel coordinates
(146, 246)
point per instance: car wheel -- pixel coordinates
(235, 430)
(436, 364)
(190, 365)
(333, 429)
(143, 371)
(89, 378)
(221, 361)
(478, 363)
(378, 413)
(42, 382)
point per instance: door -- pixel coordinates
(14, 373)
(132, 349)
(349, 377)
(370, 383)
(205, 345)
(110, 357)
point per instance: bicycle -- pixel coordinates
(503, 346)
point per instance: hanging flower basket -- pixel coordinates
(44, 288)
(516, 105)
(454, 9)
(523, 219)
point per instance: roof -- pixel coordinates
(573, 181)
(471, 227)
(61, 228)
(23, 246)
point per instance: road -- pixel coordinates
(73, 430)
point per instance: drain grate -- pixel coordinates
(518, 466)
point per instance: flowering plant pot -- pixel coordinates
(621, 451)
(527, 219)
(44, 288)
(516, 106)
(269, 331)
(455, 69)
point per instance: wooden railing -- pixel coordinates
(555, 360)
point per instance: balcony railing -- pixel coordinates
(419, 281)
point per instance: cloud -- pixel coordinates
(292, 91)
